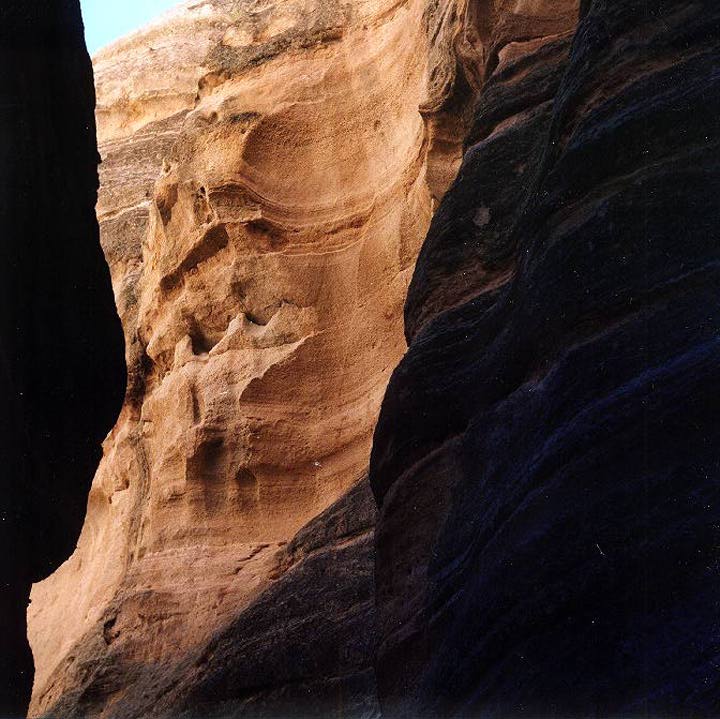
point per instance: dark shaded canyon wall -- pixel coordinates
(547, 458)
(62, 373)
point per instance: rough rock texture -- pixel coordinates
(61, 353)
(304, 647)
(547, 454)
(301, 648)
(269, 172)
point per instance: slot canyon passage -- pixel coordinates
(268, 175)
(538, 533)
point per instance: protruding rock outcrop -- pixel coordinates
(547, 454)
(269, 173)
(61, 355)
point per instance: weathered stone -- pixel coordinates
(267, 180)
(546, 458)
(301, 648)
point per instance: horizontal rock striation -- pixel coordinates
(546, 456)
(304, 647)
(301, 648)
(269, 172)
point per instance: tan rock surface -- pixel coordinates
(264, 193)
(269, 173)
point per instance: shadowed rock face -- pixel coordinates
(304, 647)
(269, 173)
(547, 454)
(62, 375)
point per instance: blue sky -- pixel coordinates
(107, 20)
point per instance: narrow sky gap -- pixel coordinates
(107, 21)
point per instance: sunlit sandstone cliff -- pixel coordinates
(269, 173)
(545, 463)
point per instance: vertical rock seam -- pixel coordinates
(546, 459)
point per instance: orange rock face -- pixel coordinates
(269, 173)
(267, 180)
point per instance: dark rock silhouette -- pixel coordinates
(62, 372)
(547, 456)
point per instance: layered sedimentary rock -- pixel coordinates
(301, 648)
(304, 647)
(546, 460)
(269, 172)
(61, 352)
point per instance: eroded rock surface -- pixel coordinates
(547, 454)
(312, 632)
(269, 173)
(301, 648)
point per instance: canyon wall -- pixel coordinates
(546, 460)
(62, 375)
(269, 172)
